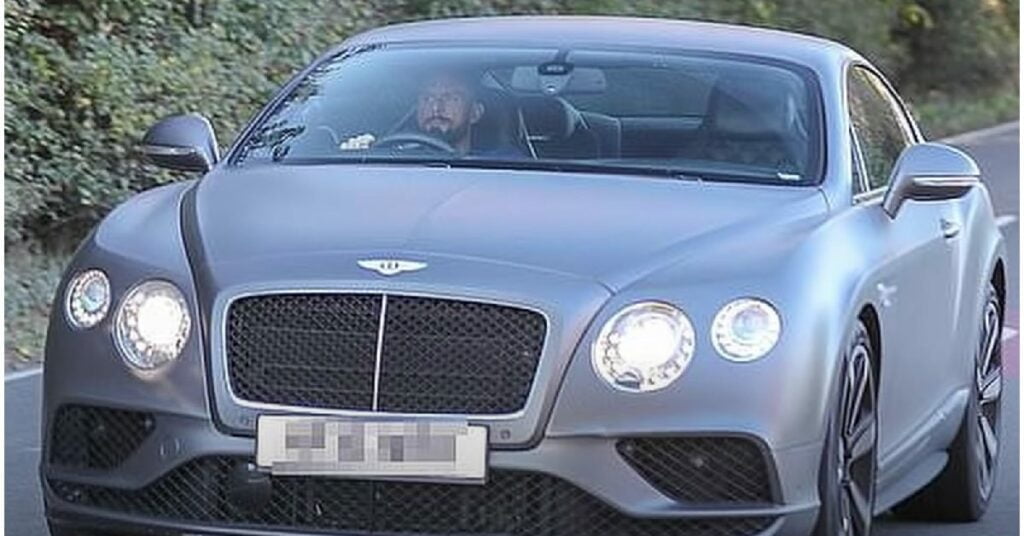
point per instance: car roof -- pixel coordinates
(812, 51)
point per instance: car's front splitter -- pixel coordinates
(185, 476)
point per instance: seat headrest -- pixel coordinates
(743, 107)
(548, 118)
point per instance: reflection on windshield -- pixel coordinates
(709, 115)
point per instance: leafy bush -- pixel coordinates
(963, 44)
(85, 80)
(30, 277)
(942, 114)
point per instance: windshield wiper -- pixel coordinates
(568, 166)
(576, 166)
(513, 164)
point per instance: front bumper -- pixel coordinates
(181, 478)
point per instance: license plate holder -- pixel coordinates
(418, 450)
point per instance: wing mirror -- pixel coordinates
(930, 172)
(182, 142)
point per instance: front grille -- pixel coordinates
(315, 350)
(512, 502)
(702, 469)
(436, 355)
(88, 437)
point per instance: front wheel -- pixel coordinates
(963, 490)
(846, 483)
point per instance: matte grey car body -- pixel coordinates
(576, 247)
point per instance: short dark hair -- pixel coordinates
(467, 79)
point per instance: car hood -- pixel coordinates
(611, 229)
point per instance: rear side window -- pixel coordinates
(878, 123)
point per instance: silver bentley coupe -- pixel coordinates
(538, 276)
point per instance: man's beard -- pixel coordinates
(451, 135)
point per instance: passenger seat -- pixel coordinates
(750, 124)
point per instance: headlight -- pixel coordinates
(644, 347)
(745, 329)
(87, 299)
(152, 324)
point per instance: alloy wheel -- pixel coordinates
(988, 379)
(858, 435)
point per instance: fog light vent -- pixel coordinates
(89, 437)
(702, 469)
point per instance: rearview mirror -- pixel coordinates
(552, 80)
(930, 172)
(182, 142)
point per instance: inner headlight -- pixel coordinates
(644, 347)
(88, 299)
(152, 324)
(745, 329)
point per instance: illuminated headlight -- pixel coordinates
(745, 329)
(88, 299)
(644, 347)
(152, 324)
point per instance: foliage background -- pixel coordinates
(85, 78)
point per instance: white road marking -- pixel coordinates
(968, 137)
(1009, 333)
(1006, 219)
(21, 374)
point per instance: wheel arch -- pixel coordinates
(869, 316)
(998, 278)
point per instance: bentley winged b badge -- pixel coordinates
(391, 266)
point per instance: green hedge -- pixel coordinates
(86, 78)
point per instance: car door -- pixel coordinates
(915, 281)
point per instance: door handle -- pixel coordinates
(950, 228)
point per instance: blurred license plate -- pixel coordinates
(299, 445)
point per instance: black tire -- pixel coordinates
(964, 488)
(846, 481)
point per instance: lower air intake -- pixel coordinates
(702, 469)
(90, 437)
(512, 502)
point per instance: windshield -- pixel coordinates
(703, 115)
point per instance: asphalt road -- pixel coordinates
(996, 152)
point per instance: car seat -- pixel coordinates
(556, 129)
(753, 123)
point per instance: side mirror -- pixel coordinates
(182, 142)
(930, 172)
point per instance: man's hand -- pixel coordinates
(358, 143)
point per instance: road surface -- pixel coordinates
(997, 153)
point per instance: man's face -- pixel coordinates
(446, 109)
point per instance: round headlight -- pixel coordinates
(88, 299)
(745, 329)
(152, 324)
(644, 347)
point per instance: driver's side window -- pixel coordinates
(880, 126)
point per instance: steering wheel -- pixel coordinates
(422, 140)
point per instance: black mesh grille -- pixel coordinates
(446, 356)
(438, 356)
(510, 503)
(315, 350)
(701, 469)
(90, 437)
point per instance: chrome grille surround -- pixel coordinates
(380, 359)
